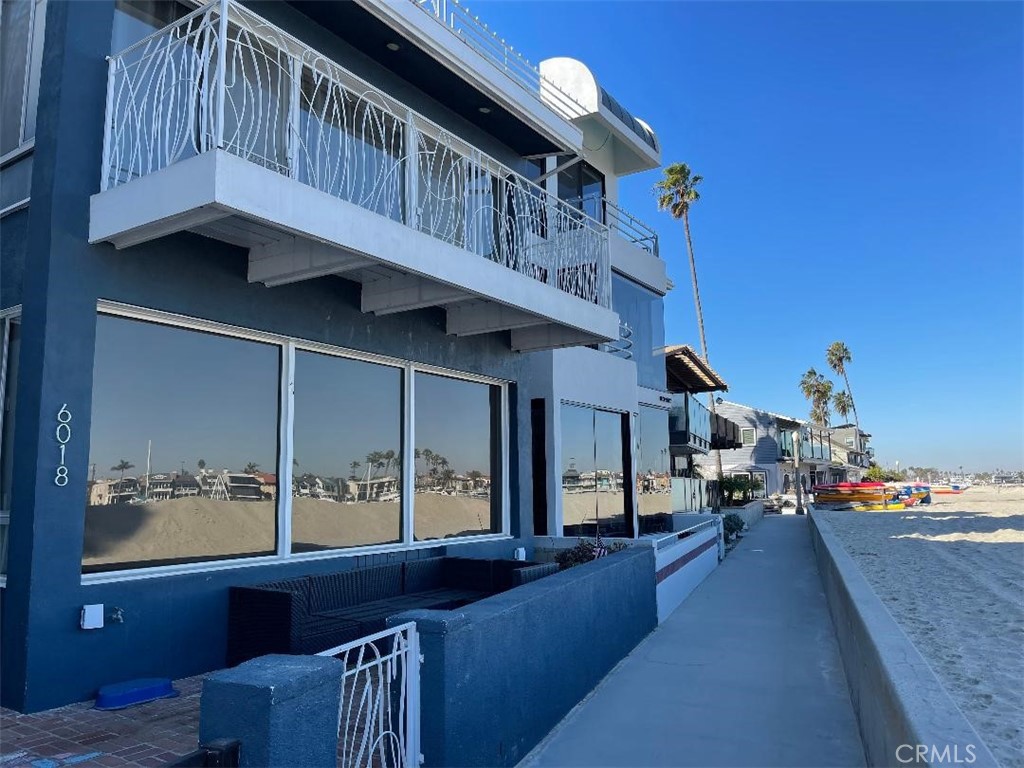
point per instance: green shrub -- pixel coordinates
(585, 551)
(732, 523)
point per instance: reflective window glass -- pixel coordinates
(457, 458)
(594, 492)
(10, 353)
(183, 447)
(22, 29)
(644, 312)
(653, 475)
(347, 466)
(579, 499)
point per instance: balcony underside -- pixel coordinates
(294, 233)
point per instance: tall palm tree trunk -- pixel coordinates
(856, 418)
(700, 327)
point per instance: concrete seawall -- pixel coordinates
(904, 714)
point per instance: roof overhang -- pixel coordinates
(687, 372)
(427, 53)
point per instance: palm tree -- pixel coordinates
(676, 192)
(838, 356)
(251, 468)
(389, 459)
(201, 464)
(843, 403)
(355, 465)
(816, 388)
(122, 466)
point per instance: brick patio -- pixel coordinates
(152, 734)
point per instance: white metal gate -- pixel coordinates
(379, 713)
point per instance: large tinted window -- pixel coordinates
(347, 467)
(644, 312)
(457, 458)
(594, 492)
(22, 27)
(183, 447)
(10, 348)
(653, 475)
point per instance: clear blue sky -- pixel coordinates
(863, 181)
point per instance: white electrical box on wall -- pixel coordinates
(92, 616)
(520, 553)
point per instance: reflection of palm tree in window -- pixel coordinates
(122, 467)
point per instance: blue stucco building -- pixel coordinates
(290, 288)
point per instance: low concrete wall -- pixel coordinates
(752, 512)
(899, 701)
(681, 566)
(499, 674)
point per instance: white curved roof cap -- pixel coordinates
(577, 81)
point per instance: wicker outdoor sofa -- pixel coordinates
(313, 613)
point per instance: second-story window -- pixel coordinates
(582, 186)
(22, 26)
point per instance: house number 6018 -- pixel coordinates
(63, 438)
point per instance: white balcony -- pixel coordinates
(224, 125)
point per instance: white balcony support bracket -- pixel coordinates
(294, 259)
(407, 292)
(548, 336)
(487, 317)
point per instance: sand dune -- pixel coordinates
(952, 575)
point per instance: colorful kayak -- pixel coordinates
(835, 493)
(854, 506)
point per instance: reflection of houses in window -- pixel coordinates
(608, 480)
(571, 480)
(99, 492)
(242, 486)
(184, 485)
(158, 487)
(123, 491)
(374, 489)
(268, 485)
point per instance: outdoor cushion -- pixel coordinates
(335, 590)
(467, 573)
(421, 575)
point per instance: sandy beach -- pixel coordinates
(952, 575)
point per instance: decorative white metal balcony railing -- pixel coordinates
(624, 224)
(458, 19)
(225, 78)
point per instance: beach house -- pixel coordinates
(286, 240)
(765, 450)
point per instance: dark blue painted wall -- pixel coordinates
(173, 626)
(498, 675)
(13, 234)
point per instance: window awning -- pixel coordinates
(686, 371)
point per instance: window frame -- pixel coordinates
(26, 144)
(7, 318)
(753, 436)
(288, 346)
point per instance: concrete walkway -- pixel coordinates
(746, 672)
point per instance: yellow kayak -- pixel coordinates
(892, 506)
